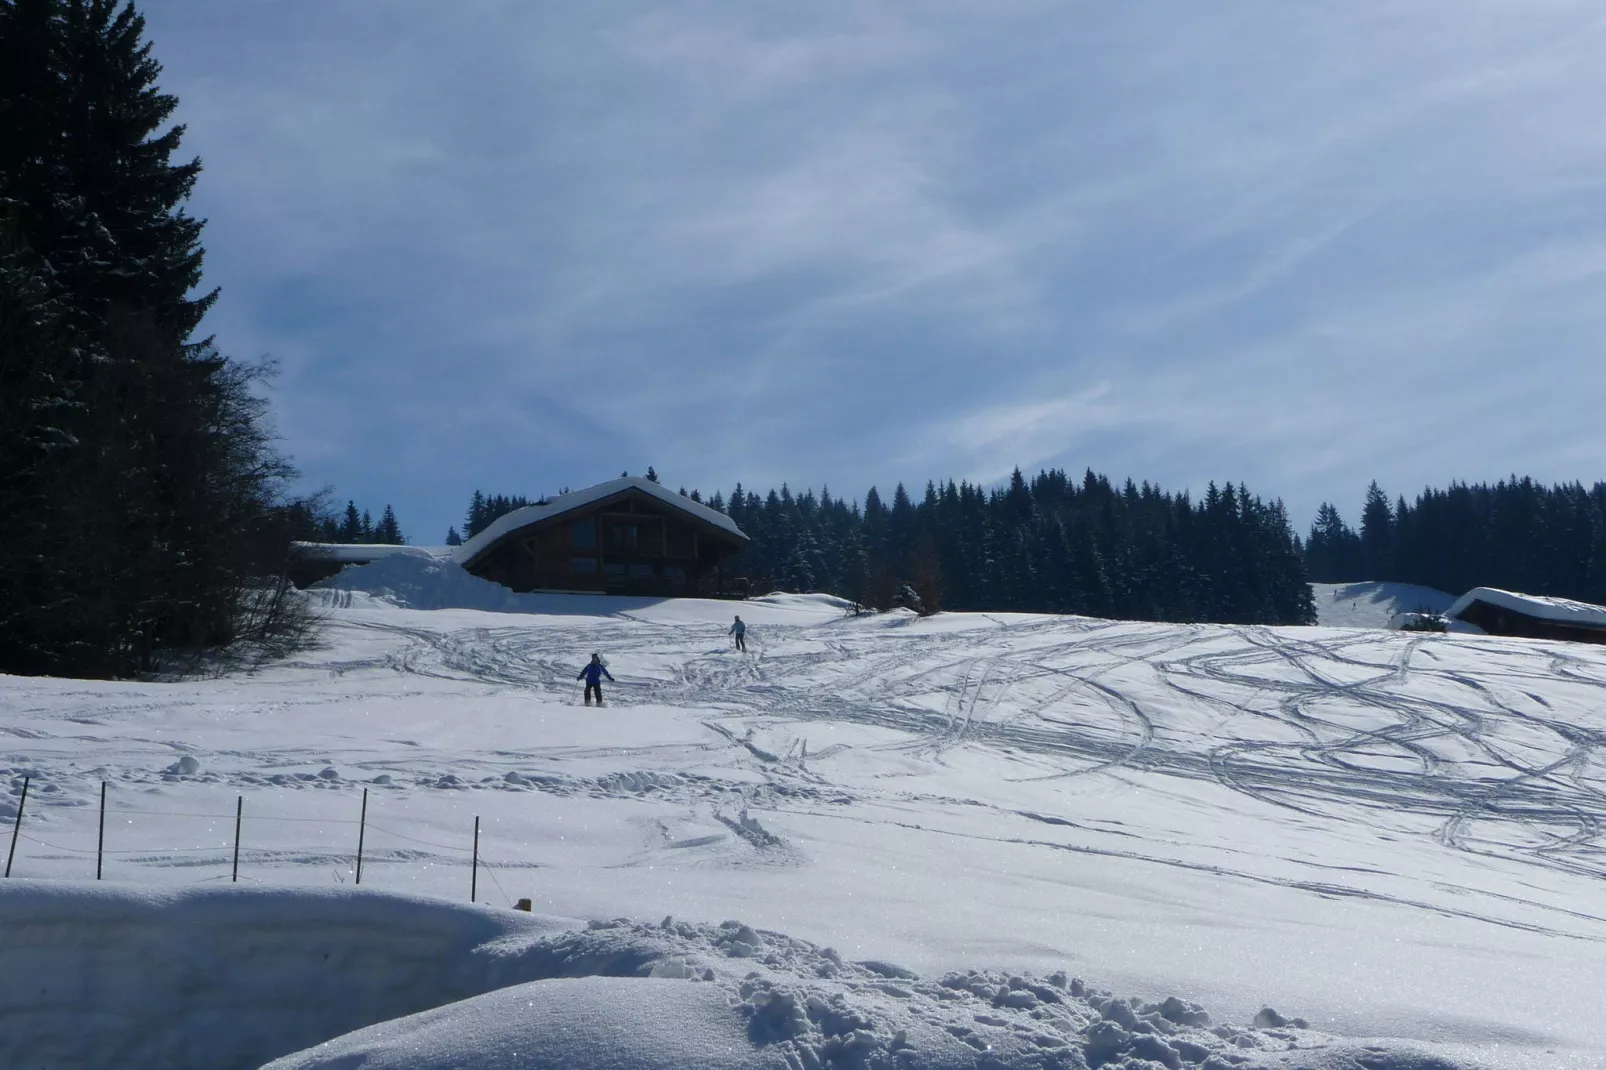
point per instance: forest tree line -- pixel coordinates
(1516, 534)
(312, 523)
(1052, 544)
(143, 504)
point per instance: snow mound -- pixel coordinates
(1372, 604)
(590, 1023)
(107, 974)
(340, 552)
(421, 582)
(730, 996)
(804, 601)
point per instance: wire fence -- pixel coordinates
(360, 828)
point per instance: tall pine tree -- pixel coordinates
(165, 473)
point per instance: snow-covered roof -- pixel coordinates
(1542, 607)
(568, 503)
(356, 553)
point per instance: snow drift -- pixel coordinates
(110, 975)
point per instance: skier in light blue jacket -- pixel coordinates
(739, 630)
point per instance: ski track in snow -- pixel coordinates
(1474, 749)
(1486, 749)
(1543, 801)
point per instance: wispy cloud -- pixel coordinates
(522, 246)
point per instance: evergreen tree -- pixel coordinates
(1333, 554)
(86, 158)
(1377, 535)
(475, 520)
(483, 510)
(167, 498)
(351, 524)
(452, 537)
(387, 531)
(651, 474)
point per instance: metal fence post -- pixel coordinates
(100, 840)
(17, 828)
(362, 828)
(239, 811)
(474, 873)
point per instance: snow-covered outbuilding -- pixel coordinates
(314, 561)
(625, 536)
(1530, 616)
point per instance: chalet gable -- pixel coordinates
(628, 535)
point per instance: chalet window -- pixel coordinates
(640, 570)
(583, 564)
(623, 536)
(585, 535)
(615, 568)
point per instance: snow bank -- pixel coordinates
(360, 552)
(1373, 605)
(592, 1023)
(715, 996)
(109, 975)
(422, 582)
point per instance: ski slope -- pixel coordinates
(1388, 835)
(1372, 604)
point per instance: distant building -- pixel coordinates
(1530, 616)
(625, 536)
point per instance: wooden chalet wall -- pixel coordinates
(629, 544)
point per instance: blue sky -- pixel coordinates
(521, 246)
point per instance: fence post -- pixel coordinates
(239, 811)
(17, 828)
(474, 872)
(362, 827)
(100, 840)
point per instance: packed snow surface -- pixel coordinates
(1383, 834)
(1373, 604)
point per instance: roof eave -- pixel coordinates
(623, 493)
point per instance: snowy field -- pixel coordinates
(1385, 835)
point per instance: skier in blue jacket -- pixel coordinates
(739, 630)
(593, 675)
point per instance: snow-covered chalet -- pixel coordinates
(625, 536)
(1530, 616)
